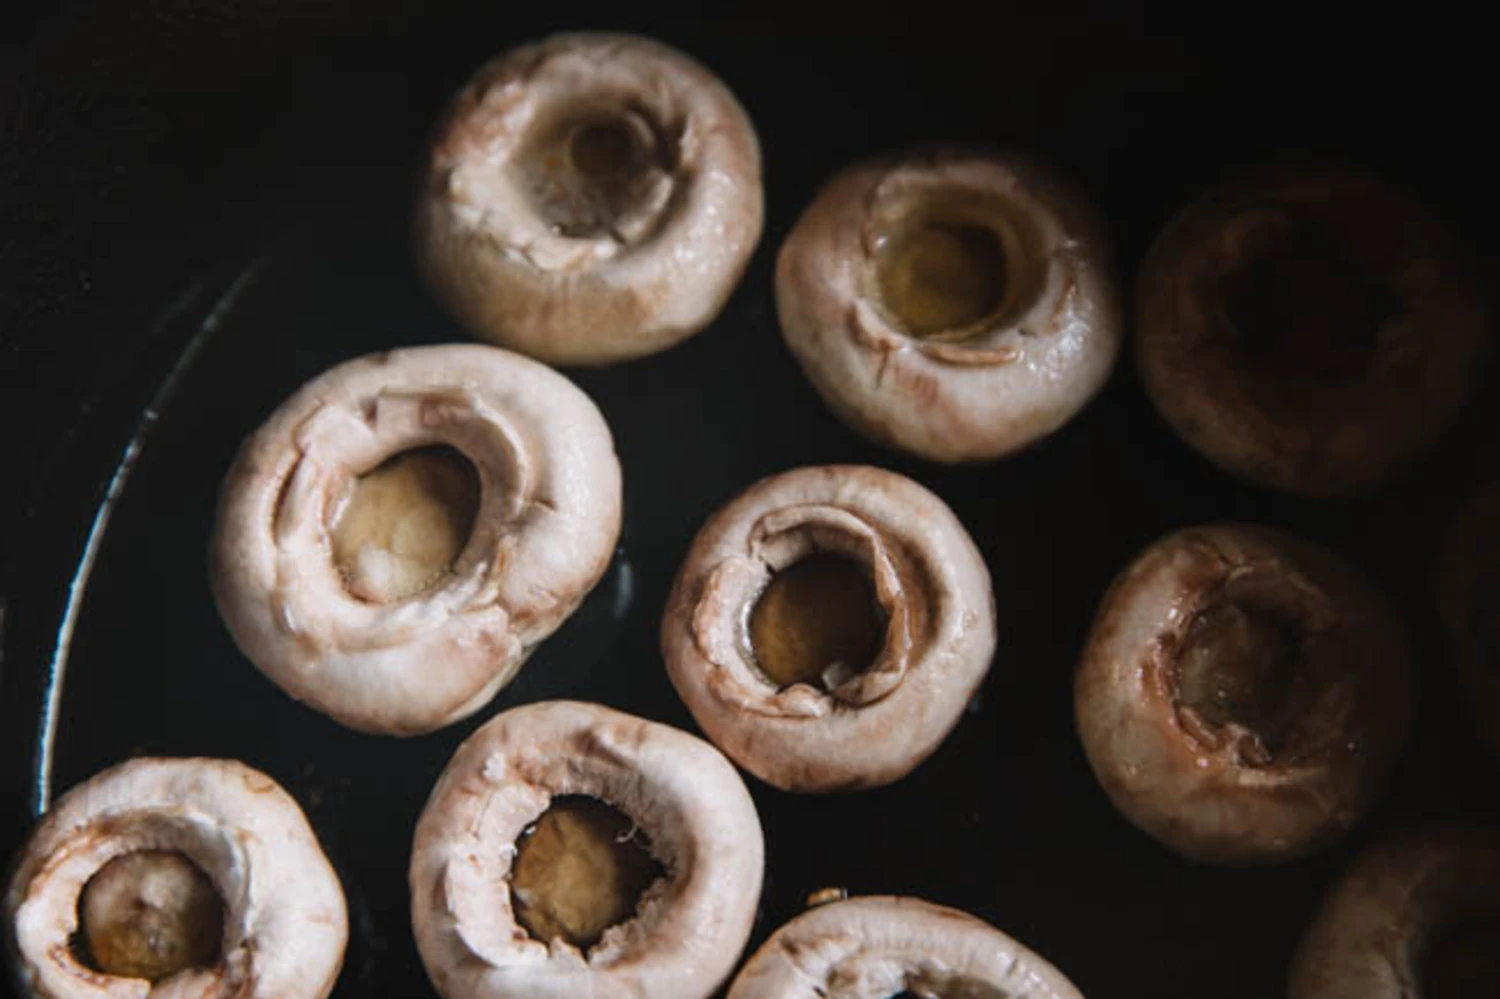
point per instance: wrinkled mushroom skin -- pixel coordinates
(1417, 916)
(1315, 332)
(876, 724)
(589, 199)
(1469, 602)
(351, 637)
(879, 947)
(954, 305)
(1243, 694)
(130, 869)
(690, 924)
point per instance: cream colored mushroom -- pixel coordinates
(401, 533)
(524, 886)
(881, 947)
(829, 626)
(1416, 917)
(1314, 331)
(170, 878)
(955, 305)
(589, 198)
(1469, 602)
(1243, 694)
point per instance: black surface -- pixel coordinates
(146, 176)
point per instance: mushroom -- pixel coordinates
(1313, 331)
(882, 947)
(1243, 694)
(174, 878)
(1469, 602)
(1416, 917)
(829, 626)
(589, 198)
(570, 851)
(953, 304)
(400, 534)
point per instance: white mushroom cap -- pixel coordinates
(1469, 602)
(877, 726)
(285, 926)
(548, 520)
(664, 270)
(690, 926)
(980, 393)
(876, 947)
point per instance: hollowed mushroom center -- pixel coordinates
(1464, 964)
(942, 277)
(405, 523)
(818, 621)
(580, 869)
(150, 915)
(588, 174)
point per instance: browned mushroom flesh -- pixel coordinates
(1416, 917)
(1243, 694)
(829, 626)
(890, 948)
(590, 198)
(400, 534)
(570, 851)
(176, 877)
(1469, 602)
(1313, 331)
(953, 304)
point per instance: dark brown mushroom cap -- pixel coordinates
(1380, 922)
(1469, 602)
(972, 394)
(874, 727)
(658, 275)
(285, 924)
(1224, 791)
(876, 947)
(1336, 410)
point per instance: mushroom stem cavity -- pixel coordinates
(1464, 963)
(150, 914)
(580, 869)
(940, 277)
(403, 524)
(818, 622)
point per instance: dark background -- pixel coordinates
(151, 152)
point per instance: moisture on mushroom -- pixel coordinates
(1243, 694)
(1417, 916)
(953, 304)
(1469, 602)
(176, 877)
(1312, 331)
(589, 198)
(570, 851)
(829, 626)
(890, 948)
(400, 534)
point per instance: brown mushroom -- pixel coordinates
(574, 852)
(882, 947)
(1311, 331)
(1469, 602)
(401, 533)
(589, 198)
(175, 878)
(829, 626)
(1416, 917)
(956, 305)
(1243, 694)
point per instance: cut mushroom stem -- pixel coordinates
(150, 915)
(818, 621)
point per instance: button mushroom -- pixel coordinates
(1313, 331)
(1469, 602)
(573, 852)
(955, 305)
(893, 948)
(401, 533)
(1242, 694)
(1416, 917)
(589, 198)
(176, 877)
(829, 626)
